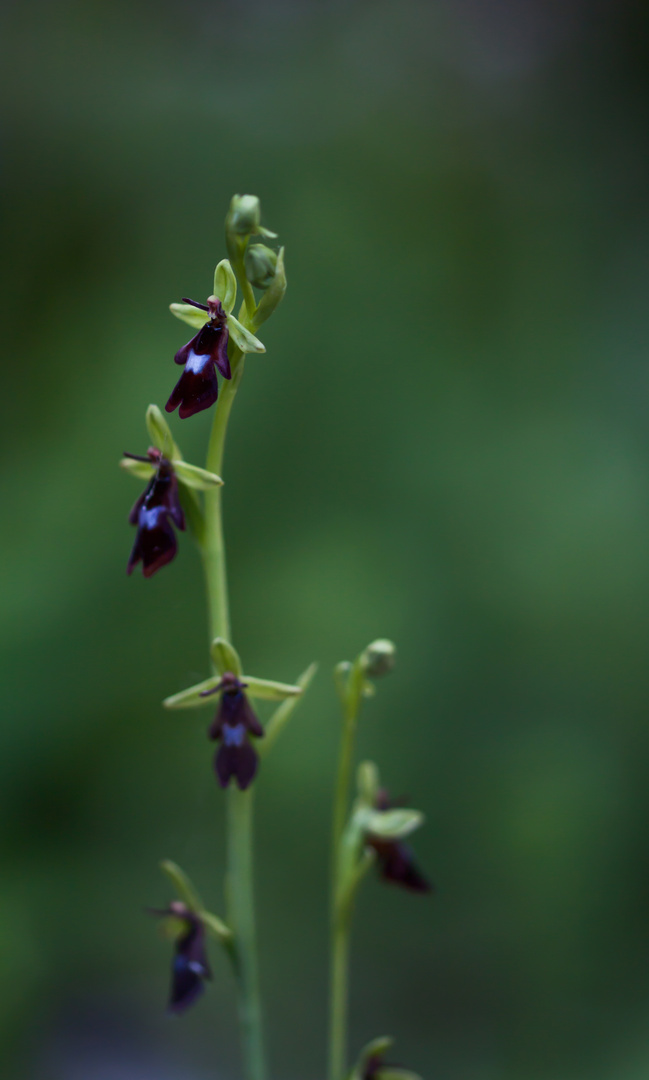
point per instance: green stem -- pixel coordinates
(239, 880)
(340, 913)
(339, 997)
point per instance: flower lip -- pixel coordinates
(155, 541)
(190, 966)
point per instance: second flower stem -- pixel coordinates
(239, 878)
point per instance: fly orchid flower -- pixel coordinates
(396, 861)
(197, 387)
(155, 542)
(190, 967)
(233, 724)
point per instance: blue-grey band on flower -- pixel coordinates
(190, 967)
(233, 724)
(197, 387)
(153, 513)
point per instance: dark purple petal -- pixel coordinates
(190, 966)
(182, 355)
(155, 542)
(235, 758)
(196, 389)
(397, 864)
(137, 506)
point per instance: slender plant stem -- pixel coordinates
(340, 912)
(239, 880)
(339, 997)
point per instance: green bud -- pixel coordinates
(378, 658)
(274, 293)
(393, 824)
(225, 285)
(244, 215)
(367, 779)
(243, 339)
(225, 656)
(260, 263)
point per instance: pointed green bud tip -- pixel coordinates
(244, 215)
(378, 658)
(260, 263)
(225, 285)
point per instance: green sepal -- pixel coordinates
(191, 698)
(190, 897)
(225, 656)
(268, 690)
(142, 470)
(264, 689)
(225, 285)
(273, 295)
(182, 885)
(243, 339)
(195, 477)
(194, 317)
(393, 824)
(284, 712)
(367, 780)
(263, 231)
(160, 434)
(373, 1049)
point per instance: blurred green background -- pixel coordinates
(446, 444)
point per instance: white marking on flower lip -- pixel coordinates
(195, 363)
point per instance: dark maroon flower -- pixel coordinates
(395, 859)
(155, 542)
(197, 387)
(233, 723)
(190, 967)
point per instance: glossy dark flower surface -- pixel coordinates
(233, 724)
(190, 967)
(153, 514)
(197, 387)
(396, 860)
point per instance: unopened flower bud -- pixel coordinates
(261, 264)
(244, 215)
(378, 658)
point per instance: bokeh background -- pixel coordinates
(446, 444)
